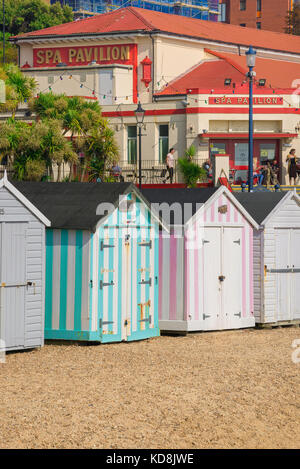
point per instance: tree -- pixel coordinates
(83, 123)
(34, 149)
(293, 21)
(19, 88)
(23, 16)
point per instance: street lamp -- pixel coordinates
(251, 57)
(139, 115)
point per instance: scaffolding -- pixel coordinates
(201, 9)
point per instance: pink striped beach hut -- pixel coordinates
(206, 260)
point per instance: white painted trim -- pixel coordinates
(289, 195)
(11, 188)
(233, 200)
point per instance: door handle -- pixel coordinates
(221, 278)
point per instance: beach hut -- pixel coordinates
(205, 270)
(101, 261)
(276, 255)
(22, 270)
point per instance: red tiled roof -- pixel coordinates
(210, 74)
(138, 19)
(278, 73)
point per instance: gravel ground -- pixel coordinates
(227, 389)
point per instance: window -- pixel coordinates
(163, 142)
(258, 5)
(243, 24)
(131, 144)
(242, 5)
(267, 152)
(258, 25)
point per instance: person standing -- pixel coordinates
(292, 166)
(170, 165)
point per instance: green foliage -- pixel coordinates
(96, 169)
(190, 152)
(19, 87)
(22, 16)
(192, 173)
(33, 149)
(35, 170)
(293, 21)
(83, 120)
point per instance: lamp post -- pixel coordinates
(251, 57)
(139, 115)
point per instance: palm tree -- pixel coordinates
(82, 123)
(19, 88)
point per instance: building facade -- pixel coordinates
(261, 14)
(202, 9)
(190, 80)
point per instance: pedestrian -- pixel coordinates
(292, 166)
(170, 165)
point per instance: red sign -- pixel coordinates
(72, 56)
(261, 100)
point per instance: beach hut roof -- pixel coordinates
(180, 196)
(73, 205)
(260, 204)
(197, 198)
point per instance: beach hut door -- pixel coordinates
(110, 284)
(295, 261)
(232, 271)
(212, 287)
(141, 302)
(283, 274)
(13, 283)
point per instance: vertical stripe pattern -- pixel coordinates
(182, 272)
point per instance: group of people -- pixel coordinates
(266, 173)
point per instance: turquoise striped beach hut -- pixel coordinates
(101, 261)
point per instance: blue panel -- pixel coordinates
(48, 279)
(100, 295)
(63, 279)
(92, 286)
(78, 281)
(86, 336)
(111, 278)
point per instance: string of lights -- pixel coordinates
(159, 89)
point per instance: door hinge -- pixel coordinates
(149, 244)
(103, 246)
(205, 316)
(103, 323)
(91, 283)
(238, 315)
(146, 320)
(238, 242)
(104, 284)
(205, 241)
(146, 282)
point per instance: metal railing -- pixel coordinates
(153, 172)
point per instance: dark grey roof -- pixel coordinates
(181, 196)
(259, 204)
(72, 205)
